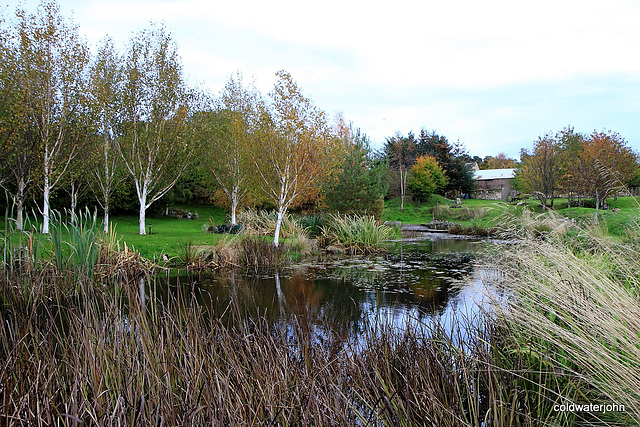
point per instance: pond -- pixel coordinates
(417, 281)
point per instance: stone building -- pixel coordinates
(494, 184)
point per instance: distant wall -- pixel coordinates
(494, 189)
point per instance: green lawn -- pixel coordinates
(417, 213)
(169, 235)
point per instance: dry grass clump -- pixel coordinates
(529, 225)
(263, 223)
(574, 304)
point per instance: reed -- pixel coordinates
(574, 306)
(359, 234)
(136, 360)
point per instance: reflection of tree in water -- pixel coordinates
(343, 297)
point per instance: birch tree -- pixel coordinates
(229, 135)
(540, 171)
(19, 154)
(292, 148)
(154, 143)
(52, 62)
(105, 86)
(401, 152)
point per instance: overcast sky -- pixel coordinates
(493, 74)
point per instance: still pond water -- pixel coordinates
(417, 282)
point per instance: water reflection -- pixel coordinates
(418, 280)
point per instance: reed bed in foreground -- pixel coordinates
(122, 357)
(574, 305)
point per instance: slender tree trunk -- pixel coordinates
(106, 218)
(543, 200)
(403, 180)
(276, 237)
(19, 200)
(595, 217)
(234, 205)
(45, 208)
(74, 202)
(143, 211)
(19, 214)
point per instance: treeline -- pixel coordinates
(121, 130)
(122, 124)
(577, 165)
(428, 164)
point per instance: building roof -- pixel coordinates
(494, 174)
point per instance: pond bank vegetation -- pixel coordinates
(116, 357)
(79, 342)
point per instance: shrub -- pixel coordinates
(360, 234)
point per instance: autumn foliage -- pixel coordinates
(427, 177)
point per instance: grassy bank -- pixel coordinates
(169, 235)
(488, 215)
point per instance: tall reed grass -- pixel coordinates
(264, 223)
(359, 234)
(134, 360)
(574, 306)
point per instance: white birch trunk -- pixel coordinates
(45, 208)
(142, 218)
(74, 202)
(234, 205)
(276, 236)
(403, 183)
(106, 219)
(595, 217)
(142, 198)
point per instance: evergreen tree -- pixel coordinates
(360, 183)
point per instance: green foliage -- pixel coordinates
(359, 184)
(452, 159)
(312, 224)
(426, 178)
(360, 234)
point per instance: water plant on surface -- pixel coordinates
(360, 234)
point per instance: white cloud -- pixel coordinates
(402, 65)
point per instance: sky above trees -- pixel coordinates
(493, 74)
